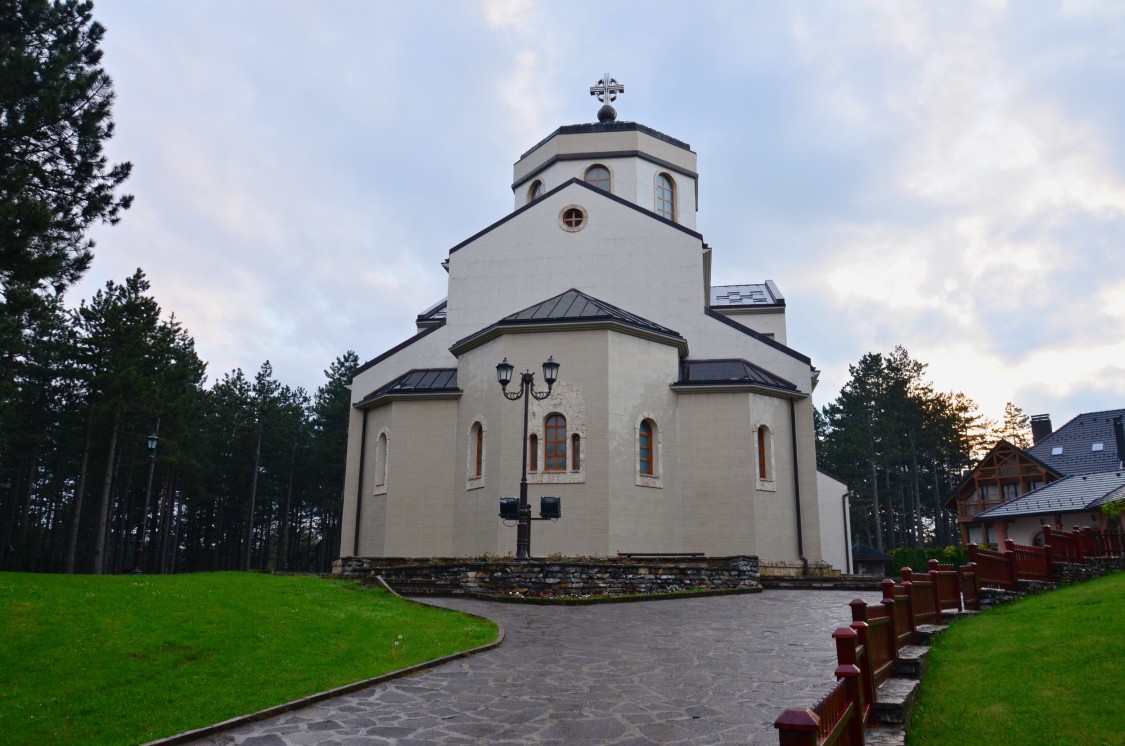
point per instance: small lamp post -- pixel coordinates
(526, 392)
(138, 562)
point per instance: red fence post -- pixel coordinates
(866, 668)
(856, 723)
(937, 596)
(797, 728)
(907, 574)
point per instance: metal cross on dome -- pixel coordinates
(607, 90)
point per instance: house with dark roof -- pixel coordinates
(1061, 481)
(680, 421)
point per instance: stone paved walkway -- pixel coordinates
(692, 671)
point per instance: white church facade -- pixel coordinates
(680, 422)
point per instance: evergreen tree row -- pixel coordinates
(245, 474)
(901, 447)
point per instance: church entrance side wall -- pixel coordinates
(422, 447)
(644, 511)
(716, 457)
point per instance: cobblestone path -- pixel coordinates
(691, 671)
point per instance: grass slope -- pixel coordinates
(127, 659)
(1045, 670)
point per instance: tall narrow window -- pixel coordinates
(665, 197)
(381, 461)
(575, 453)
(535, 191)
(555, 442)
(533, 453)
(478, 449)
(645, 460)
(763, 452)
(598, 175)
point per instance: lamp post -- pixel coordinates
(138, 562)
(526, 392)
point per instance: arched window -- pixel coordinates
(575, 452)
(554, 439)
(764, 453)
(646, 449)
(476, 438)
(533, 453)
(381, 461)
(597, 175)
(535, 191)
(665, 197)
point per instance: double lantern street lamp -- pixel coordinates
(138, 563)
(550, 507)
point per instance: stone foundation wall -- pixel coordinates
(1092, 567)
(548, 578)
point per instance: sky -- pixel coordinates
(945, 176)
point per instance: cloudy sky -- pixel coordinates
(945, 176)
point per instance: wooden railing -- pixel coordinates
(994, 569)
(1066, 547)
(868, 651)
(1032, 563)
(948, 584)
(839, 718)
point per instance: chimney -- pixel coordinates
(1119, 436)
(1040, 427)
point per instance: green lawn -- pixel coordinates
(126, 659)
(1046, 670)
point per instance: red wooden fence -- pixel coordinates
(1032, 563)
(994, 569)
(948, 585)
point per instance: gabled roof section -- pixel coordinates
(397, 348)
(864, 552)
(567, 309)
(1077, 440)
(417, 383)
(600, 192)
(730, 372)
(993, 463)
(1072, 494)
(758, 336)
(435, 314)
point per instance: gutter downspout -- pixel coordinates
(797, 486)
(359, 484)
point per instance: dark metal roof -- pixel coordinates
(864, 552)
(1072, 494)
(574, 305)
(1076, 439)
(418, 381)
(434, 313)
(729, 371)
(600, 127)
(571, 307)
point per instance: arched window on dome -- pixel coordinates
(598, 175)
(535, 191)
(554, 442)
(665, 197)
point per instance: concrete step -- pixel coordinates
(884, 737)
(894, 702)
(912, 661)
(924, 634)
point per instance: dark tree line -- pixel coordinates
(901, 447)
(246, 474)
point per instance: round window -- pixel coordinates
(572, 218)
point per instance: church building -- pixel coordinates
(680, 420)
